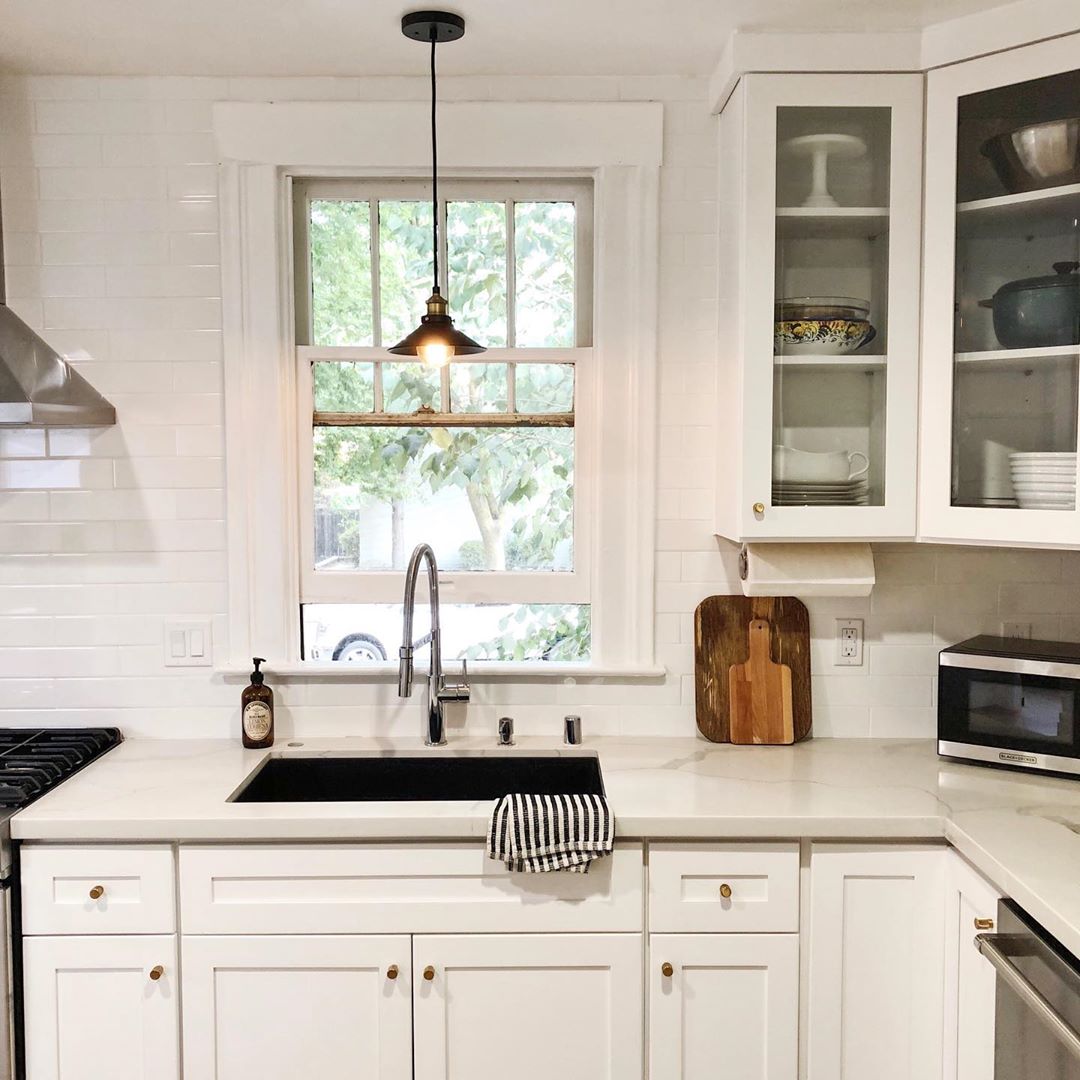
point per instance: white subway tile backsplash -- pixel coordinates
(112, 244)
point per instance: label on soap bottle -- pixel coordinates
(256, 720)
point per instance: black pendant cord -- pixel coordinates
(434, 172)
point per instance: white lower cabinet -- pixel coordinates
(552, 987)
(970, 980)
(279, 1008)
(730, 1006)
(876, 962)
(101, 1007)
(535, 1006)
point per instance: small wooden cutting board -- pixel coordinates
(759, 695)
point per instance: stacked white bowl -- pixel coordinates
(1045, 481)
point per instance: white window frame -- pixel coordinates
(262, 148)
(509, 587)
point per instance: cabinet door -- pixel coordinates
(537, 1006)
(279, 1008)
(730, 1006)
(95, 1009)
(970, 981)
(829, 282)
(875, 962)
(1001, 324)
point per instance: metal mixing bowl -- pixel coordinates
(1036, 156)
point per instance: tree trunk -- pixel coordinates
(491, 527)
(397, 534)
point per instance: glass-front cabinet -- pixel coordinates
(1002, 299)
(820, 206)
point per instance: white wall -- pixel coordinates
(111, 246)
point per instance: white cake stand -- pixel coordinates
(819, 148)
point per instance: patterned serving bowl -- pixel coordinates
(821, 337)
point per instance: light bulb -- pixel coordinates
(435, 353)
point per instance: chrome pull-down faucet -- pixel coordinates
(439, 691)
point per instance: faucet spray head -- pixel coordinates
(405, 671)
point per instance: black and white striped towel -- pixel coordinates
(535, 834)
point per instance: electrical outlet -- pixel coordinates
(1016, 629)
(188, 644)
(849, 642)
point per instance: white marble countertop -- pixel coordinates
(1022, 831)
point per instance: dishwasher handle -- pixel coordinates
(1010, 974)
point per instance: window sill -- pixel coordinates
(478, 672)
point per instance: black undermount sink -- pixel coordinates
(419, 779)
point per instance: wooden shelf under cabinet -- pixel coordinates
(1018, 359)
(1047, 212)
(829, 222)
(866, 364)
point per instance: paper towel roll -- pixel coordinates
(807, 569)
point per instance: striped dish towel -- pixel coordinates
(535, 834)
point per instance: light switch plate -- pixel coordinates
(849, 642)
(188, 644)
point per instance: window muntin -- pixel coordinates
(369, 268)
(481, 458)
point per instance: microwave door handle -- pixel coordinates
(1062, 1030)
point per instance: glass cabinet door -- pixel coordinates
(831, 306)
(1017, 296)
(1001, 299)
(829, 281)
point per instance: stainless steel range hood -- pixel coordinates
(38, 387)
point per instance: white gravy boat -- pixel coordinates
(806, 466)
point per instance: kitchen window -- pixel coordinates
(482, 458)
(340, 455)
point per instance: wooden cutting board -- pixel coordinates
(721, 640)
(759, 694)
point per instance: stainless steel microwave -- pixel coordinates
(1011, 702)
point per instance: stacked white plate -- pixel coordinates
(821, 492)
(1045, 481)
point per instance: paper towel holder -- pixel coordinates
(807, 569)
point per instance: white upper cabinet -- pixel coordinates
(820, 204)
(1001, 300)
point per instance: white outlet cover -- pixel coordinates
(849, 632)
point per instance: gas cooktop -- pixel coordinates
(34, 760)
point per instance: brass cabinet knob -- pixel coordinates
(759, 508)
(725, 891)
(429, 973)
(392, 971)
(97, 892)
(156, 972)
(984, 924)
(667, 970)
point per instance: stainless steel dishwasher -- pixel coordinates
(1037, 1031)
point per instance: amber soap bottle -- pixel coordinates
(257, 711)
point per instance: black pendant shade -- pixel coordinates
(435, 340)
(437, 329)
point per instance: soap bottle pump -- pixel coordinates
(257, 710)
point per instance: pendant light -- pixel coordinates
(435, 340)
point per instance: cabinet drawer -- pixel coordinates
(398, 889)
(738, 888)
(98, 890)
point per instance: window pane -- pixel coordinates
(404, 266)
(544, 388)
(476, 276)
(407, 387)
(340, 237)
(361, 633)
(484, 498)
(478, 388)
(544, 269)
(348, 386)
